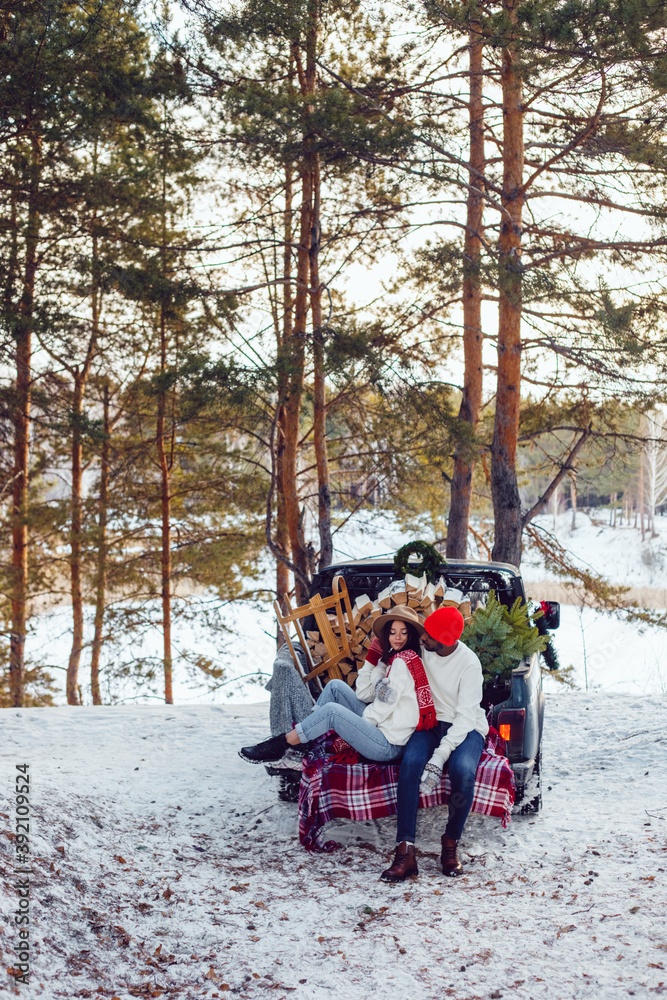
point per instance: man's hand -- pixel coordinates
(431, 775)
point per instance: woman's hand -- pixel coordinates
(378, 676)
(384, 692)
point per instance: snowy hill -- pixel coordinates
(618, 553)
(165, 866)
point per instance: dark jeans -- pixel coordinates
(462, 769)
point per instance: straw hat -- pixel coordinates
(399, 614)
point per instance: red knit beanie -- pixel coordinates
(445, 625)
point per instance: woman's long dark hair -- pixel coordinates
(412, 643)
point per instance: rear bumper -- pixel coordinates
(523, 772)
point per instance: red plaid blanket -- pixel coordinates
(332, 790)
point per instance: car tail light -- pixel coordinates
(511, 723)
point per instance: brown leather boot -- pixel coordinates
(448, 858)
(404, 864)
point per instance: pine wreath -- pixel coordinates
(430, 564)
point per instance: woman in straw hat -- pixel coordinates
(392, 700)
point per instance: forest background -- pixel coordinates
(266, 267)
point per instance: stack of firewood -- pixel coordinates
(414, 592)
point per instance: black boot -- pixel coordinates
(269, 750)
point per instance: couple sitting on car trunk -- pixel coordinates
(417, 704)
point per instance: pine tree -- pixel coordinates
(502, 637)
(293, 123)
(59, 64)
(586, 141)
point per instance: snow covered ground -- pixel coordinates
(617, 553)
(166, 866)
(610, 655)
(163, 865)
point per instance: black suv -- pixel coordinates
(516, 706)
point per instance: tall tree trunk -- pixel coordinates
(573, 496)
(319, 392)
(555, 503)
(165, 510)
(21, 422)
(165, 459)
(471, 400)
(100, 583)
(294, 395)
(75, 547)
(504, 486)
(296, 353)
(80, 379)
(12, 262)
(284, 337)
(281, 535)
(640, 497)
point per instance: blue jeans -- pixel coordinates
(338, 708)
(462, 769)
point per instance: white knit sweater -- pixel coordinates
(395, 711)
(456, 686)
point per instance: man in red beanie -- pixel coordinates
(455, 676)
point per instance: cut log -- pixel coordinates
(419, 592)
(384, 598)
(363, 605)
(315, 636)
(351, 678)
(400, 597)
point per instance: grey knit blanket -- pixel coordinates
(291, 700)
